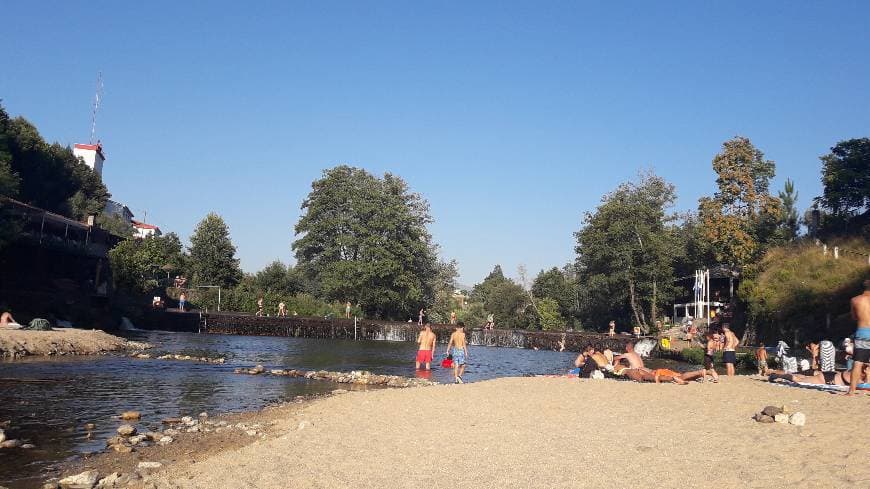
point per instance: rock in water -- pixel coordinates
(126, 430)
(798, 419)
(2, 436)
(131, 415)
(781, 418)
(771, 410)
(10, 444)
(85, 480)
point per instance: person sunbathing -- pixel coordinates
(659, 375)
(842, 377)
(7, 321)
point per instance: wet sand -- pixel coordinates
(64, 341)
(550, 432)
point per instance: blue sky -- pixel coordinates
(512, 119)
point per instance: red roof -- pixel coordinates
(142, 225)
(92, 147)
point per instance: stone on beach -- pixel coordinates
(86, 480)
(798, 419)
(110, 481)
(781, 418)
(126, 430)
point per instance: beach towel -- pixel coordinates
(827, 354)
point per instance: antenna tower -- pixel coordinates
(97, 99)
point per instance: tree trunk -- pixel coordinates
(638, 314)
(653, 313)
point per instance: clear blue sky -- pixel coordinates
(512, 119)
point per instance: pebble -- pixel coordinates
(28, 446)
(85, 480)
(166, 440)
(149, 465)
(131, 415)
(126, 430)
(10, 444)
(798, 419)
(171, 432)
(122, 448)
(171, 421)
(109, 481)
(781, 418)
(771, 410)
(137, 439)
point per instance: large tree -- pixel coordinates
(364, 239)
(212, 254)
(741, 218)
(140, 264)
(846, 185)
(625, 254)
(48, 175)
(556, 285)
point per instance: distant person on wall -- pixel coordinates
(347, 310)
(182, 301)
(282, 310)
(459, 352)
(452, 317)
(611, 328)
(426, 347)
(7, 321)
(636, 331)
(260, 306)
(421, 315)
(490, 321)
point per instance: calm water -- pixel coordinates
(49, 401)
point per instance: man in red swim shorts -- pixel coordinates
(426, 350)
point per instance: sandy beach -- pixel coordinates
(549, 432)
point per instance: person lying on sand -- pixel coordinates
(7, 321)
(659, 375)
(819, 378)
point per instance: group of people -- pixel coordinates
(456, 351)
(592, 363)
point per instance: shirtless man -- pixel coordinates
(260, 306)
(761, 359)
(813, 348)
(729, 356)
(282, 309)
(661, 375)
(634, 360)
(711, 348)
(459, 351)
(861, 356)
(611, 328)
(426, 339)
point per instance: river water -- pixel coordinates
(48, 401)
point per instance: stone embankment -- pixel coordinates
(16, 343)
(356, 377)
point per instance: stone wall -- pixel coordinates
(339, 328)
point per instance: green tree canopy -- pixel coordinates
(789, 221)
(554, 284)
(625, 254)
(47, 175)
(365, 239)
(212, 254)
(139, 264)
(741, 218)
(846, 185)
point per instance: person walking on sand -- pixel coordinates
(761, 359)
(426, 349)
(347, 310)
(729, 356)
(861, 348)
(182, 301)
(460, 352)
(711, 349)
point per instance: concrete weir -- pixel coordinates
(363, 329)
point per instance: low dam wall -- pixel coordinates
(363, 329)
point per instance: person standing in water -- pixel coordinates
(460, 352)
(426, 349)
(861, 349)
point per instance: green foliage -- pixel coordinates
(797, 289)
(115, 224)
(789, 223)
(846, 186)
(474, 315)
(47, 175)
(442, 290)
(740, 220)
(139, 265)
(212, 253)
(555, 284)
(549, 317)
(626, 251)
(365, 239)
(693, 355)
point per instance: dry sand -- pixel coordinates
(552, 432)
(65, 341)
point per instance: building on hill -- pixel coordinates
(92, 155)
(118, 209)
(143, 230)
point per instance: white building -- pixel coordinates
(118, 209)
(92, 155)
(142, 230)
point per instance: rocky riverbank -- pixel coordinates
(16, 343)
